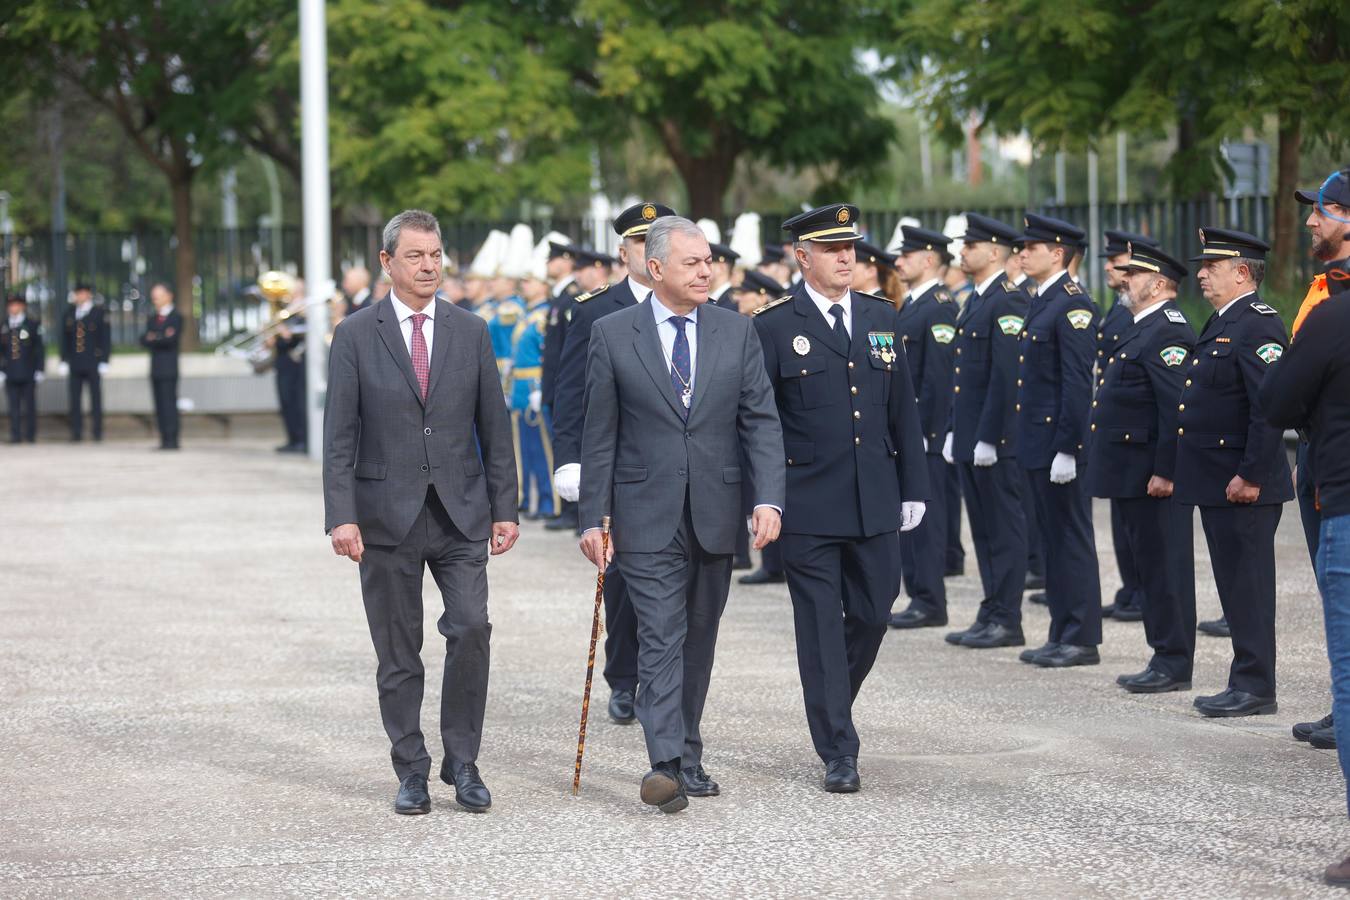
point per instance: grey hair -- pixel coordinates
(660, 232)
(1255, 266)
(416, 219)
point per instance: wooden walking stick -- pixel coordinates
(596, 630)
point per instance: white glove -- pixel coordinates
(507, 365)
(911, 514)
(947, 449)
(2, 377)
(985, 454)
(536, 400)
(39, 377)
(567, 481)
(1063, 468)
(925, 443)
(63, 369)
(103, 368)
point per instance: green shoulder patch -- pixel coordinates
(1010, 324)
(1269, 352)
(1174, 355)
(1079, 318)
(943, 333)
(582, 298)
(770, 305)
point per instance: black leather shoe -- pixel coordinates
(1121, 679)
(955, 571)
(1035, 653)
(1303, 730)
(1216, 627)
(1038, 598)
(661, 788)
(1323, 738)
(1066, 655)
(1108, 610)
(1127, 614)
(565, 521)
(740, 563)
(762, 576)
(413, 799)
(1034, 582)
(1151, 681)
(995, 635)
(1231, 704)
(956, 637)
(916, 618)
(470, 792)
(621, 707)
(841, 776)
(697, 783)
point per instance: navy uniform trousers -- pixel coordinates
(1072, 583)
(925, 551)
(1161, 531)
(1242, 547)
(1132, 591)
(999, 528)
(1035, 533)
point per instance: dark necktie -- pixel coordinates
(840, 333)
(421, 363)
(680, 377)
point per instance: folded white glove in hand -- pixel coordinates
(63, 369)
(2, 377)
(1063, 468)
(985, 454)
(536, 400)
(39, 377)
(567, 481)
(911, 514)
(947, 449)
(103, 368)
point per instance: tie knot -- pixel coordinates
(418, 319)
(837, 311)
(679, 322)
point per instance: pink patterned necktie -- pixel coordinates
(421, 364)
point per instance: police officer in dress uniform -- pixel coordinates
(856, 473)
(23, 360)
(1035, 581)
(1231, 462)
(719, 287)
(1054, 399)
(1132, 459)
(86, 347)
(927, 327)
(569, 413)
(163, 332)
(980, 432)
(1127, 606)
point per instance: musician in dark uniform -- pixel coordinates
(289, 344)
(1054, 398)
(979, 440)
(23, 361)
(927, 328)
(1127, 606)
(86, 347)
(856, 474)
(1132, 460)
(163, 333)
(719, 286)
(1232, 463)
(569, 417)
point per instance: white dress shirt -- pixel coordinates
(984, 285)
(1229, 305)
(917, 292)
(640, 291)
(15, 321)
(405, 324)
(1139, 317)
(83, 310)
(666, 331)
(824, 303)
(1046, 284)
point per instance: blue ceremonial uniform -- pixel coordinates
(534, 454)
(23, 354)
(507, 313)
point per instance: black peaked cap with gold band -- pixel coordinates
(871, 253)
(723, 254)
(636, 219)
(987, 230)
(1224, 243)
(1039, 229)
(914, 239)
(759, 283)
(1118, 242)
(1151, 258)
(564, 251)
(585, 257)
(825, 224)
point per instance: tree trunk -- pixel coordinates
(185, 255)
(706, 177)
(1284, 209)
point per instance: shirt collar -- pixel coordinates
(1229, 305)
(1139, 317)
(1021, 277)
(1041, 288)
(640, 291)
(984, 285)
(15, 321)
(563, 283)
(662, 312)
(405, 312)
(917, 292)
(824, 303)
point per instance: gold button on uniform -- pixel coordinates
(1047, 419)
(1017, 407)
(853, 390)
(850, 363)
(1019, 382)
(957, 389)
(857, 414)
(1181, 407)
(1094, 404)
(857, 441)
(1092, 427)
(1181, 431)
(1188, 382)
(1220, 442)
(803, 371)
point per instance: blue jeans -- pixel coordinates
(1333, 580)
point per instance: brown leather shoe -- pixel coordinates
(1338, 873)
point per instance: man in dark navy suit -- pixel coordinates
(1054, 399)
(23, 361)
(927, 323)
(1132, 461)
(1231, 462)
(86, 348)
(163, 334)
(856, 474)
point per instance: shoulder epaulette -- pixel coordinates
(874, 297)
(1072, 289)
(771, 304)
(582, 298)
(1009, 285)
(1265, 310)
(943, 296)
(1175, 315)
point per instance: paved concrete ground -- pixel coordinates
(187, 707)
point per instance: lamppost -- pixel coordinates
(318, 210)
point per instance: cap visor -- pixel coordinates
(834, 237)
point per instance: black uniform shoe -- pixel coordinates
(1231, 704)
(1303, 730)
(1038, 598)
(1323, 738)
(841, 776)
(994, 635)
(1067, 655)
(1034, 582)
(1216, 627)
(1121, 679)
(564, 521)
(957, 637)
(1127, 614)
(1151, 681)
(413, 799)
(697, 783)
(762, 576)
(954, 570)
(661, 788)
(1108, 610)
(621, 707)
(916, 618)
(1035, 653)
(470, 792)
(741, 562)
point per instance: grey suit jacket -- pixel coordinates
(639, 456)
(383, 446)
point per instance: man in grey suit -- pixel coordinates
(419, 469)
(675, 389)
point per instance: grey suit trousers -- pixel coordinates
(678, 593)
(391, 586)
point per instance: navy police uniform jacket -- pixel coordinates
(560, 306)
(86, 342)
(984, 382)
(1134, 416)
(1221, 429)
(23, 353)
(1115, 323)
(850, 421)
(1059, 345)
(927, 328)
(569, 391)
(162, 336)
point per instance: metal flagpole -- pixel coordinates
(318, 210)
